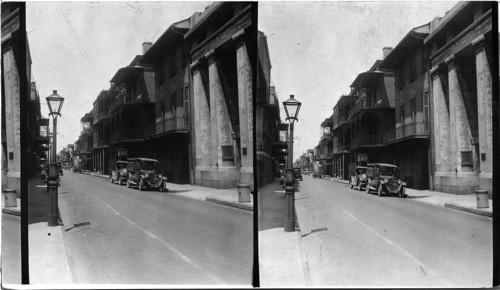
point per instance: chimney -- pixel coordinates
(145, 47)
(385, 51)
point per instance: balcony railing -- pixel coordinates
(173, 124)
(103, 142)
(367, 140)
(344, 147)
(407, 130)
(124, 135)
(104, 114)
(94, 141)
(326, 136)
(118, 102)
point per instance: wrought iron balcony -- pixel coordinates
(413, 129)
(326, 136)
(173, 124)
(127, 135)
(103, 142)
(367, 140)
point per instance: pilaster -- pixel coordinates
(222, 141)
(460, 133)
(201, 117)
(245, 105)
(441, 128)
(484, 107)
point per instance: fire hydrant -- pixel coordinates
(290, 200)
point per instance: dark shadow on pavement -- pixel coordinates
(38, 200)
(77, 225)
(272, 207)
(177, 191)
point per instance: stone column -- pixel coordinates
(201, 121)
(441, 124)
(460, 133)
(245, 104)
(221, 127)
(12, 120)
(485, 117)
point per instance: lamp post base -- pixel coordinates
(52, 220)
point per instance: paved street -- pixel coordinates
(11, 249)
(355, 239)
(120, 235)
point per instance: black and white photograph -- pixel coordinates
(273, 144)
(140, 142)
(386, 122)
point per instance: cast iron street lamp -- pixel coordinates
(292, 107)
(55, 103)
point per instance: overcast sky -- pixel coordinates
(318, 48)
(77, 47)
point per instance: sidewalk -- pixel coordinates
(47, 254)
(467, 202)
(281, 263)
(228, 197)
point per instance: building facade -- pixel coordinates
(131, 112)
(461, 98)
(172, 126)
(410, 139)
(221, 45)
(101, 132)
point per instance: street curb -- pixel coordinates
(470, 210)
(229, 203)
(11, 211)
(448, 205)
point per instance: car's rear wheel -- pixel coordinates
(379, 189)
(141, 184)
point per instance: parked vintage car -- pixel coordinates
(119, 173)
(384, 178)
(298, 174)
(358, 178)
(316, 175)
(144, 173)
(77, 169)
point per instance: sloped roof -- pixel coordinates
(413, 38)
(173, 32)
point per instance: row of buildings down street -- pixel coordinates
(187, 101)
(424, 106)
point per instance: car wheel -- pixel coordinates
(128, 182)
(402, 192)
(141, 184)
(379, 189)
